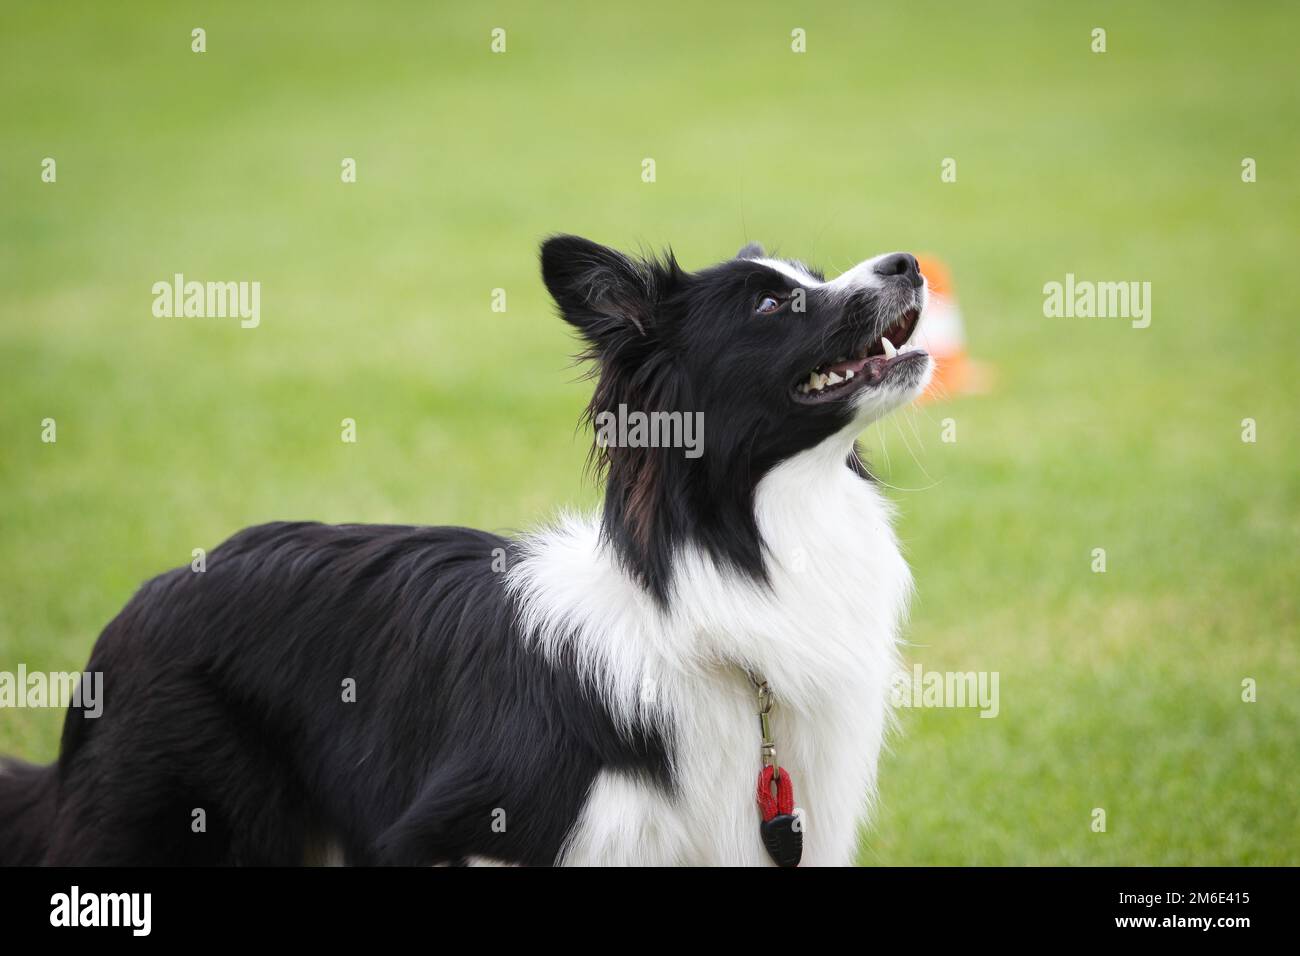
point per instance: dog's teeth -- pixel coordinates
(848, 374)
(833, 379)
(890, 351)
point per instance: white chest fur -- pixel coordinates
(824, 635)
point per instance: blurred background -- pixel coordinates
(1119, 690)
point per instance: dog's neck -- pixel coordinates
(821, 621)
(659, 503)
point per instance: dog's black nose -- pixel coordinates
(900, 264)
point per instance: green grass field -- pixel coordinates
(1119, 691)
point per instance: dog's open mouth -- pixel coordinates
(872, 364)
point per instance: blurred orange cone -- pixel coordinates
(942, 335)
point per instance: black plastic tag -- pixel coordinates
(783, 838)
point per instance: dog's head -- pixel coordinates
(770, 357)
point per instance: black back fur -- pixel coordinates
(224, 692)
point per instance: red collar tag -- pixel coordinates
(781, 828)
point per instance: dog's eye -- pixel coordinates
(767, 304)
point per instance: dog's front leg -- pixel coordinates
(442, 825)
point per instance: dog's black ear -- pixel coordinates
(600, 291)
(751, 251)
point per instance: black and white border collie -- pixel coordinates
(581, 695)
